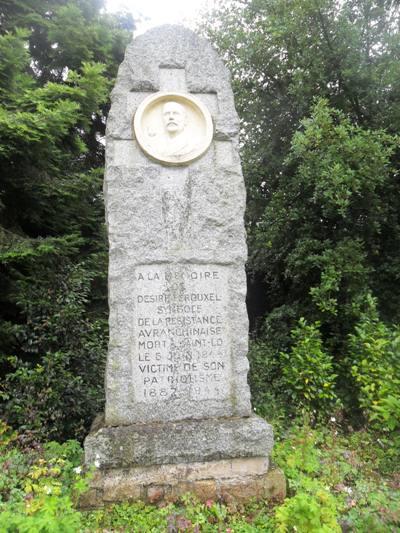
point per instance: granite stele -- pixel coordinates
(178, 417)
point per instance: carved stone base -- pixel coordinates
(238, 479)
(214, 458)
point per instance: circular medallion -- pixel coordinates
(173, 128)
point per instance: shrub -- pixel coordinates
(308, 370)
(54, 387)
(374, 360)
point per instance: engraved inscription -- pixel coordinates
(181, 347)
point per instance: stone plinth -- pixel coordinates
(179, 442)
(236, 479)
(178, 416)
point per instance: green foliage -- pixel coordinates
(374, 359)
(337, 478)
(322, 234)
(15, 58)
(376, 508)
(343, 163)
(55, 515)
(320, 241)
(333, 479)
(316, 87)
(58, 62)
(187, 515)
(7, 435)
(265, 368)
(58, 396)
(298, 455)
(141, 517)
(13, 465)
(39, 487)
(308, 376)
(305, 513)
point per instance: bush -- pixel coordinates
(307, 369)
(374, 360)
(54, 387)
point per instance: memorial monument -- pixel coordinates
(178, 416)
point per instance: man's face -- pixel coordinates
(174, 117)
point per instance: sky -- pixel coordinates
(157, 12)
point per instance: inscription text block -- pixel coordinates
(181, 333)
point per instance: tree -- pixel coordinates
(317, 89)
(58, 61)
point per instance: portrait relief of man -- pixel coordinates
(173, 128)
(174, 141)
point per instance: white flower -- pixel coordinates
(78, 470)
(97, 463)
(333, 419)
(349, 490)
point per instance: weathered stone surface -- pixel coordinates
(271, 486)
(179, 442)
(177, 287)
(238, 480)
(178, 416)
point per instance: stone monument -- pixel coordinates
(178, 416)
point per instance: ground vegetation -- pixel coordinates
(317, 90)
